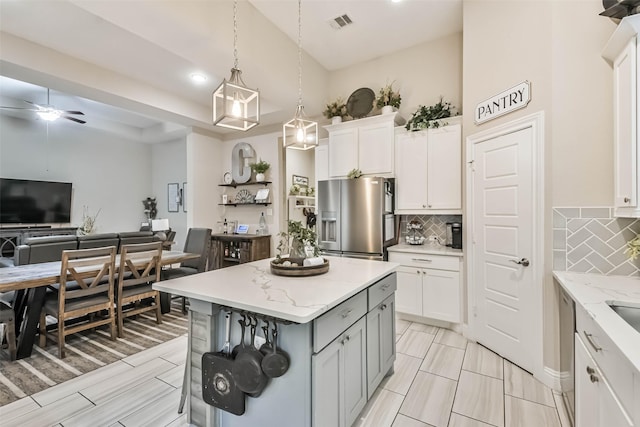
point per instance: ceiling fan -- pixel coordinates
(48, 112)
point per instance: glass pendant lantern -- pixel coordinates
(300, 132)
(235, 106)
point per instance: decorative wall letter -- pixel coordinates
(240, 169)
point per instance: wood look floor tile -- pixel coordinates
(523, 413)
(480, 397)
(444, 361)
(404, 421)
(67, 388)
(402, 325)
(180, 422)
(51, 414)
(173, 376)
(562, 410)
(414, 343)
(103, 391)
(424, 328)
(458, 420)
(159, 412)
(450, 338)
(430, 399)
(380, 410)
(521, 384)
(17, 408)
(482, 361)
(172, 349)
(405, 369)
(122, 405)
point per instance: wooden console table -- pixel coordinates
(240, 248)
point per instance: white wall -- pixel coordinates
(300, 163)
(204, 160)
(108, 174)
(169, 165)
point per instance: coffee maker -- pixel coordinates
(454, 235)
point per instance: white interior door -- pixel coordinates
(505, 214)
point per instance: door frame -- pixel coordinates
(534, 121)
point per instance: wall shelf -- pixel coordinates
(235, 184)
(244, 204)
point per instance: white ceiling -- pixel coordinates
(160, 43)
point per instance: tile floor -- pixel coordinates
(440, 379)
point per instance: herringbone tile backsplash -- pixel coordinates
(433, 225)
(591, 240)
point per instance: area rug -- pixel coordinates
(85, 351)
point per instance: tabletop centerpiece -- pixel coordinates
(298, 252)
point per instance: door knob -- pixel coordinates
(523, 262)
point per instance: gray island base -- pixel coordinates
(338, 330)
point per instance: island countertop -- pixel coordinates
(252, 287)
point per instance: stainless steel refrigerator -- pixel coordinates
(355, 217)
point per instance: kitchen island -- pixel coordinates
(338, 329)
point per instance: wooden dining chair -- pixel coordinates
(86, 289)
(139, 269)
(8, 317)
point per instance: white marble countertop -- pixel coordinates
(426, 249)
(252, 287)
(592, 292)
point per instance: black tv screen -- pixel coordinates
(34, 202)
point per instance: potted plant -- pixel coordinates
(354, 173)
(387, 99)
(260, 168)
(299, 242)
(336, 111)
(427, 117)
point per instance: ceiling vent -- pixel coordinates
(340, 22)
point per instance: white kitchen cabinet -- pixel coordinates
(366, 144)
(428, 285)
(622, 52)
(321, 160)
(381, 347)
(596, 403)
(429, 170)
(340, 382)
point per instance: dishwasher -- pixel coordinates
(567, 331)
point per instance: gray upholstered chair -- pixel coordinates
(135, 279)
(198, 242)
(89, 295)
(99, 240)
(35, 250)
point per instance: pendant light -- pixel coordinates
(234, 105)
(300, 132)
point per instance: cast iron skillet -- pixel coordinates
(276, 363)
(247, 368)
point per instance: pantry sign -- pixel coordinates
(505, 102)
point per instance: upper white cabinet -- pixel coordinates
(365, 144)
(322, 161)
(429, 170)
(622, 52)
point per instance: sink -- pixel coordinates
(628, 312)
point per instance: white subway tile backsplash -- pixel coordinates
(594, 241)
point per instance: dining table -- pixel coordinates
(30, 282)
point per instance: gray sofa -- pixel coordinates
(49, 248)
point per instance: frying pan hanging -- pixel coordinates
(218, 386)
(247, 368)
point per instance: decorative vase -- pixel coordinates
(336, 120)
(260, 177)
(387, 109)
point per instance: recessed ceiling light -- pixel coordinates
(396, 1)
(198, 78)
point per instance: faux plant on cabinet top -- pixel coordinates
(387, 96)
(336, 108)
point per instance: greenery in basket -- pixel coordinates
(336, 108)
(425, 117)
(296, 240)
(260, 167)
(354, 173)
(387, 96)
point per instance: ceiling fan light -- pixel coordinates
(49, 115)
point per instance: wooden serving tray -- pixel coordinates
(299, 271)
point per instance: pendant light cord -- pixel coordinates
(299, 53)
(235, 34)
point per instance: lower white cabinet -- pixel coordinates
(596, 403)
(381, 343)
(340, 379)
(428, 285)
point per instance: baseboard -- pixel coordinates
(456, 327)
(556, 380)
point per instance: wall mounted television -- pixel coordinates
(34, 202)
